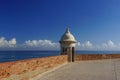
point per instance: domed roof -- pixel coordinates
(67, 36)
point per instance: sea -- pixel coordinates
(8, 56)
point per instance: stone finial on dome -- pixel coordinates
(67, 30)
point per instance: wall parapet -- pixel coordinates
(79, 57)
(26, 69)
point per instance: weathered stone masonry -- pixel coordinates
(23, 66)
(81, 57)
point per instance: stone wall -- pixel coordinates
(25, 69)
(79, 57)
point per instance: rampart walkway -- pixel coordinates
(87, 70)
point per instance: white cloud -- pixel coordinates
(50, 45)
(12, 41)
(42, 44)
(87, 44)
(84, 46)
(7, 43)
(109, 44)
(78, 45)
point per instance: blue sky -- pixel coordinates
(94, 23)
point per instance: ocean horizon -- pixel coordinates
(7, 56)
